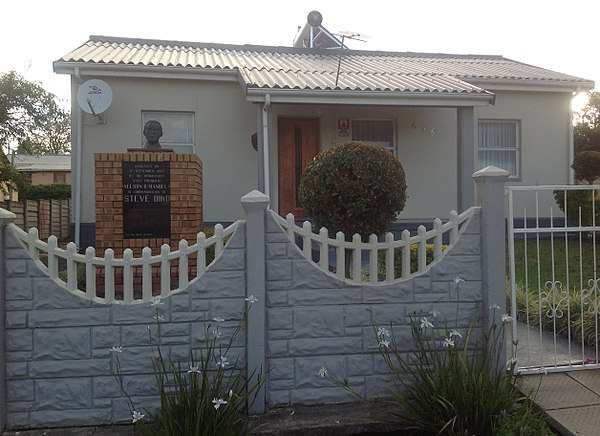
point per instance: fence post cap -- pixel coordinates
(6, 217)
(491, 171)
(255, 200)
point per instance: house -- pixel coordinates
(44, 169)
(443, 115)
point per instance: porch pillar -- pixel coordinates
(255, 204)
(465, 157)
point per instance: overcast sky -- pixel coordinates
(561, 36)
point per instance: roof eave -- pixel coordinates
(145, 71)
(530, 85)
(375, 98)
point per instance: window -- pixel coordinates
(60, 177)
(178, 130)
(498, 144)
(377, 132)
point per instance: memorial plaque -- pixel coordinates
(146, 200)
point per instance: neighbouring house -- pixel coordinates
(44, 169)
(257, 115)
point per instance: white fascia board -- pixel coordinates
(531, 85)
(150, 72)
(369, 98)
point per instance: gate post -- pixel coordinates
(490, 197)
(255, 204)
(6, 218)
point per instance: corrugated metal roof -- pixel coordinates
(44, 162)
(310, 69)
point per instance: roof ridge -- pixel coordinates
(253, 47)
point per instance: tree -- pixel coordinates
(31, 118)
(586, 131)
(354, 188)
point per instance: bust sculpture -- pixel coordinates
(152, 132)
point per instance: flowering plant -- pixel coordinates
(203, 396)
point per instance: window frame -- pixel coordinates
(517, 150)
(392, 121)
(176, 146)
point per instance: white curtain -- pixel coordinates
(498, 145)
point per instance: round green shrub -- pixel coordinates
(587, 166)
(354, 188)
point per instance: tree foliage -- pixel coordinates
(31, 118)
(354, 188)
(586, 137)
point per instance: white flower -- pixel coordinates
(435, 313)
(252, 299)
(448, 342)
(322, 372)
(425, 323)
(118, 349)
(458, 280)
(216, 333)
(218, 402)
(157, 302)
(137, 416)
(384, 342)
(383, 333)
(195, 368)
(506, 318)
(218, 319)
(230, 393)
(455, 333)
(494, 307)
(222, 362)
(158, 317)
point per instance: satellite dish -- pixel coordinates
(315, 18)
(94, 96)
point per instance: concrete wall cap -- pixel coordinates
(491, 171)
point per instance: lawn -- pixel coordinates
(572, 264)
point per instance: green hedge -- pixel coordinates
(54, 191)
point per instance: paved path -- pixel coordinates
(569, 399)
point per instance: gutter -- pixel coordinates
(79, 148)
(265, 126)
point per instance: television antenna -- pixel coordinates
(350, 35)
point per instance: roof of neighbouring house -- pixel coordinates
(305, 69)
(42, 162)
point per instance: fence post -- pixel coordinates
(6, 218)
(255, 204)
(490, 196)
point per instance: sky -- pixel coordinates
(560, 36)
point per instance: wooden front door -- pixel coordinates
(298, 143)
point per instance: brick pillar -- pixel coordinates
(185, 200)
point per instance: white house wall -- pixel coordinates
(545, 158)
(224, 122)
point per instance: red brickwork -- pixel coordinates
(186, 200)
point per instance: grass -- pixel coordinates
(571, 264)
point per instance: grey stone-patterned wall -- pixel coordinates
(57, 344)
(58, 369)
(316, 320)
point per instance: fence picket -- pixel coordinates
(165, 270)
(183, 263)
(127, 276)
(389, 257)
(52, 259)
(323, 249)
(306, 241)
(373, 260)
(340, 268)
(422, 249)
(109, 275)
(90, 272)
(356, 258)
(219, 240)
(71, 267)
(146, 274)
(200, 253)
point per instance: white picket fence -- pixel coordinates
(366, 266)
(123, 269)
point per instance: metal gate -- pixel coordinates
(553, 243)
